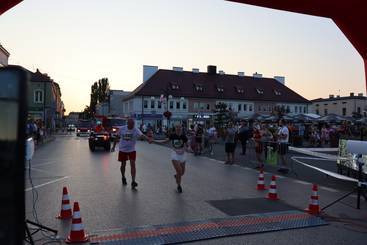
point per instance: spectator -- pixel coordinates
(257, 135)
(283, 139)
(243, 135)
(230, 142)
(212, 134)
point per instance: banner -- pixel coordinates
(349, 160)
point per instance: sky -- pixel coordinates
(79, 42)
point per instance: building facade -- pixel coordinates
(4, 56)
(352, 105)
(44, 100)
(193, 95)
(114, 104)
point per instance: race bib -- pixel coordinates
(177, 143)
(127, 136)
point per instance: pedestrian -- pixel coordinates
(283, 139)
(212, 135)
(230, 142)
(128, 135)
(243, 135)
(178, 156)
(257, 136)
(199, 139)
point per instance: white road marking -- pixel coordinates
(302, 182)
(47, 183)
(328, 189)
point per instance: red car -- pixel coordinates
(84, 127)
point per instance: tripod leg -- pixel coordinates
(28, 235)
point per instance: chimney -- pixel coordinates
(221, 72)
(257, 75)
(351, 94)
(241, 74)
(148, 72)
(360, 94)
(331, 96)
(212, 70)
(280, 79)
(175, 68)
(338, 96)
(195, 70)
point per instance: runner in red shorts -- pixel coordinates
(128, 135)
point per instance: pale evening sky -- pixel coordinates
(78, 42)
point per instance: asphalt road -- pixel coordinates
(94, 180)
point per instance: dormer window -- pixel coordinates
(199, 88)
(259, 91)
(240, 90)
(174, 86)
(276, 92)
(220, 89)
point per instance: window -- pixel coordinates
(159, 104)
(317, 112)
(344, 102)
(264, 108)
(317, 105)
(196, 105)
(202, 106)
(240, 90)
(208, 107)
(288, 109)
(259, 91)
(244, 107)
(344, 111)
(199, 88)
(184, 105)
(325, 112)
(325, 104)
(296, 109)
(230, 105)
(276, 92)
(304, 109)
(174, 86)
(145, 104)
(220, 89)
(171, 104)
(239, 107)
(259, 108)
(359, 110)
(38, 96)
(178, 105)
(250, 108)
(152, 104)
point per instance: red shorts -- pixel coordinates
(124, 156)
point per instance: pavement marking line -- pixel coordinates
(47, 183)
(328, 189)
(316, 158)
(302, 182)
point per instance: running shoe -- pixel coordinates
(124, 182)
(134, 185)
(179, 189)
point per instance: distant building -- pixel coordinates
(193, 95)
(4, 56)
(114, 105)
(44, 100)
(352, 105)
(72, 118)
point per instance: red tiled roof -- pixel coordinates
(163, 79)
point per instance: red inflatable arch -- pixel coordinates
(349, 15)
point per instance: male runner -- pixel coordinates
(128, 135)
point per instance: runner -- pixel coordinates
(178, 155)
(283, 138)
(128, 135)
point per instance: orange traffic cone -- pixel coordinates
(260, 182)
(272, 195)
(77, 234)
(65, 212)
(314, 207)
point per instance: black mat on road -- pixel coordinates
(235, 207)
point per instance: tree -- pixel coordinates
(99, 93)
(222, 115)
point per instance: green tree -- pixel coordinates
(99, 93)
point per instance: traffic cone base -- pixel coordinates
(65, 212)
(77, 234)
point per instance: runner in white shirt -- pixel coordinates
(128, 135)
(283, 138)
